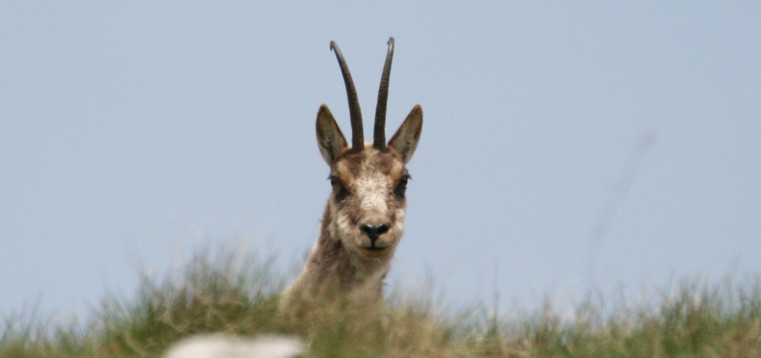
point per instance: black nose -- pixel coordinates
(374, 231)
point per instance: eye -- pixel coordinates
(339, 190)
(401, 187)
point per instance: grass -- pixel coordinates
(222, 292)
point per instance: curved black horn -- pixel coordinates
(357, 136)
(379, 134)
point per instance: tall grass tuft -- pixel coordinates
(224, 292)
(212, 293)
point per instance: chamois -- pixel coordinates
(364, 215)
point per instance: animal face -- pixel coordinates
(369, 180)
(367, 201)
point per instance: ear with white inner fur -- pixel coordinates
(406, 138)
(330, 140)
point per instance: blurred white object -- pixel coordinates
(225, 346)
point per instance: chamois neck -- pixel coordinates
(339, 262)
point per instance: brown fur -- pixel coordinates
(339, 266)
(363, 220)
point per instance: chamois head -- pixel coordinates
(369, 180)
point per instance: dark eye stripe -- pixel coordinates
(401, 187)
(339, 189)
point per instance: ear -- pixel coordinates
(407, 136)
(330, 140)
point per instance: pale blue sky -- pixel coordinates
(131, 134)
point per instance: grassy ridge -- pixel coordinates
(223, 293)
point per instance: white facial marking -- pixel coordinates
(372, 193)
(370, 201)
(341, 222)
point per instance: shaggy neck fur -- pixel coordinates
(334, 270)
